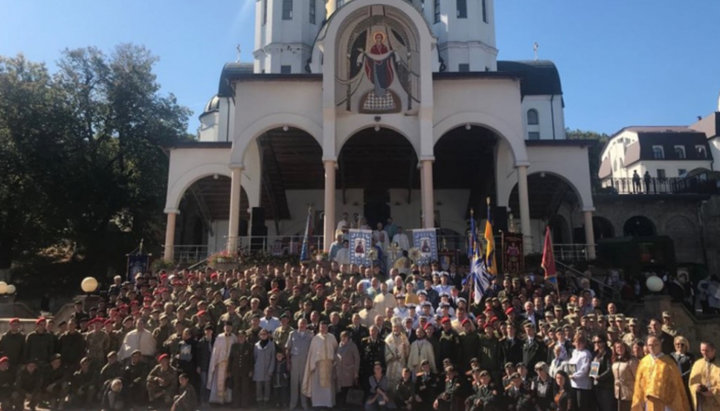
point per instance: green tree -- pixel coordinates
(103, 146)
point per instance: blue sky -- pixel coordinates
(622, 62)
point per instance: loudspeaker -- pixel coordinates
(499, 216)
(258, 216)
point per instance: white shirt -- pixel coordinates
(581, 359)
(136, 340)
(402, 241)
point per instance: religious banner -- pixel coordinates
(512, 254)
(137, 263)
(425, 241)
(360, 245)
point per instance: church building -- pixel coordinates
(381, 109)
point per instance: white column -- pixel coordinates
(589, 234)
(330, 7)
(329, 221)
(428, 203)
(169, 253)
(524, 208)
(234, 218)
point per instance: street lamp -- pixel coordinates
(89, 285)
(3, 287)
(654, 284)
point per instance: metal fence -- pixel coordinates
(699, 184)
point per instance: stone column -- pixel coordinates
(169, 253)
(330, 7)
(234, 218)
(427, 202)
(329, 221)
(524, 208)
(589, 234)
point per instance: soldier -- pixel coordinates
(162, 331)
(39, 344)
(446, 399)
(134, 377)
(98, 344)
(162, 382)
(12, 344)
(83, 385)
(186, 400)
(71, 346)
(372, 349)
(113, 369)
(55, 383)
(469, 344)
(281, 333)
(448, 342)
(27, 386)
(7, 380)
(241, 367)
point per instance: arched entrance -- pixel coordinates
(560, 230)
(383, 165)
(603, 228)
(201, 226)
(639, 226)
(464, 176)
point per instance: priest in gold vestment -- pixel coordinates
(319, 380)
(658, 384)
(704, 380)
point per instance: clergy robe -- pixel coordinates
(659, 386)
(421, 349)
(707, 374)
(318, 380)
(217, 374)
(397, 348)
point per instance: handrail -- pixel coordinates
(606, 289)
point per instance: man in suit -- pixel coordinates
(511, 345)
(533, 349)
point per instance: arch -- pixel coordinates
(603, 228)
(684, 233)
(500, 127)
(543, 174)
(269, 122)
(177, 188)
(639, 226)
(382, 126)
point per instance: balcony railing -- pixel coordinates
(675, 185)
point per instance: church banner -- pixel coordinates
(360, 245)
(137, 263)
(425, 240)
(512, 254)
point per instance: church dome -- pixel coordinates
(212, 105)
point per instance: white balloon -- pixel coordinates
(11, 289)
(654, 284)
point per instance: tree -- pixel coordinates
(105, 175)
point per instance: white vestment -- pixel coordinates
(218, 372)
(397, 349)
(319, 378)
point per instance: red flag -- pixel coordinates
(548, 258)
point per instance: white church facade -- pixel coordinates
(380, 108)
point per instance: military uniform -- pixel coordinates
(39, 346)
(83, 388)
(281, 334)
(27, 386)
(134, 380)
(98, 345)
(72, 348)
(241, 365)
(161, 334)
(55, 386)
(110, 371)
(12, 345)
(370, 351)
(162, 384)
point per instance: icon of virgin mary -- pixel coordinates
(378, 64)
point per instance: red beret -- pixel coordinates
(201, 313)
(445, 320)
(509, 310)
(427, 325)
(466, 321)
(163, 276)
(40, 320)
(214, 275)
(275, 290)
(318, 285)
(108, 322)
(3, 359)
(14, 320)
(134, 302)
(162, 357)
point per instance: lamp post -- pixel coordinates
(89, 285)
(654, 284)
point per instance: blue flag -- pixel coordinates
(305, 250)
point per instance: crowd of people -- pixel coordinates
(344, 336)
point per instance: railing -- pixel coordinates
(603, 289)
(291, 245)
(699, 184)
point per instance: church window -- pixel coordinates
(532, 117)
(463, 67)
(701, 152)
(680, 152)
(484, 11)
(287, 9)
(658, 152)
(534, 135)
(313, 6)
(462, 9)
(436, 11)
(285, 69)
(264, 11)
